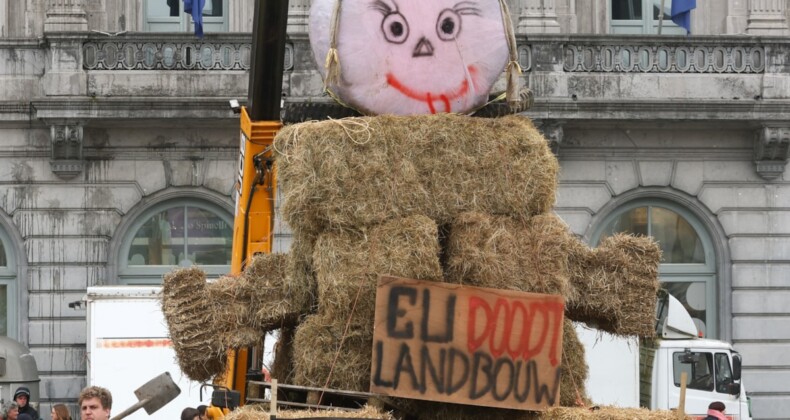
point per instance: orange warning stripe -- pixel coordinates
(123, 343)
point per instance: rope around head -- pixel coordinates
(332, 62)
(513, 69)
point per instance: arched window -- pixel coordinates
(688, 263)
(8, 295)
(176, 233)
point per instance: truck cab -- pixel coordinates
(713, 370)
(628, 372)
(712, 367)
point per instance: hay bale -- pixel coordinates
(607, 413)
(617, 284)
(360, 172)
(279, 291)
(505, 253)
(347, 267)
(261, 412)
(348, 264)
(282, 367)
(189, 316)
(574, 368)
(329, 355)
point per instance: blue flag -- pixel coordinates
(681, 13)
(195, 8)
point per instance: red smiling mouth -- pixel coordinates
(430, 97)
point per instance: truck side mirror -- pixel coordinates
(734, 388)
(688, 357)
(736, 367)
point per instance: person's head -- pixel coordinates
(22, 396)
(203, 412)
(190, 413)
(12, 411)
(60, 412)
(95, 403)
(717, 406)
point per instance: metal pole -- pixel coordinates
(661, 17)
(268, 59)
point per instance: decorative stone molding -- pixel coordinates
(553, 132)
(767, 17)
(66, 150)
(298, 16)
(771, 151)
(65, 16)
(537, 16)
(177, 54)
(614, 58)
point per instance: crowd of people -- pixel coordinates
(94, 403)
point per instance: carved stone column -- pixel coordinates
(298, 16)
(66, 150)
(66, 15)
(737, 16)
(566, 15)
(3, 18)
(767, 17)
(538, 16)
(771, 151)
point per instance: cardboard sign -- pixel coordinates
(468, 345)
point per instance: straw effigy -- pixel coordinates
(617, 283)
(358, 172)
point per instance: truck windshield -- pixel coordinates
(699, 368)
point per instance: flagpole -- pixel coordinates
(661, 17)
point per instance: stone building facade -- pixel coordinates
(118, 153)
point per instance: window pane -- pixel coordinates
(698, 367)
(693, 297)
(163, 8)
(633, 221)
(209, 238)
(3, 310)
(213, 8)
(160, 240)
(667, 10)
(3, 258)
(626, 9)
(723, 373)
(678, 239)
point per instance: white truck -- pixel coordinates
(625, 374)
(128, 345)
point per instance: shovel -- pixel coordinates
(153, 395)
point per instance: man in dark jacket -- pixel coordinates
(22, 397)
(716, 411)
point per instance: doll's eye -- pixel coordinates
(448, 26)
(395, 28)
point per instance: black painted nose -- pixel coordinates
(423, 48)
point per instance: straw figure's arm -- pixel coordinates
(615, 285)
(205, 320)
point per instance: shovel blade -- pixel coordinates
(157, 392)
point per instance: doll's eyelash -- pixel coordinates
(382, 7)
(467, 8)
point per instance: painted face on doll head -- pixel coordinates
(412, 56)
